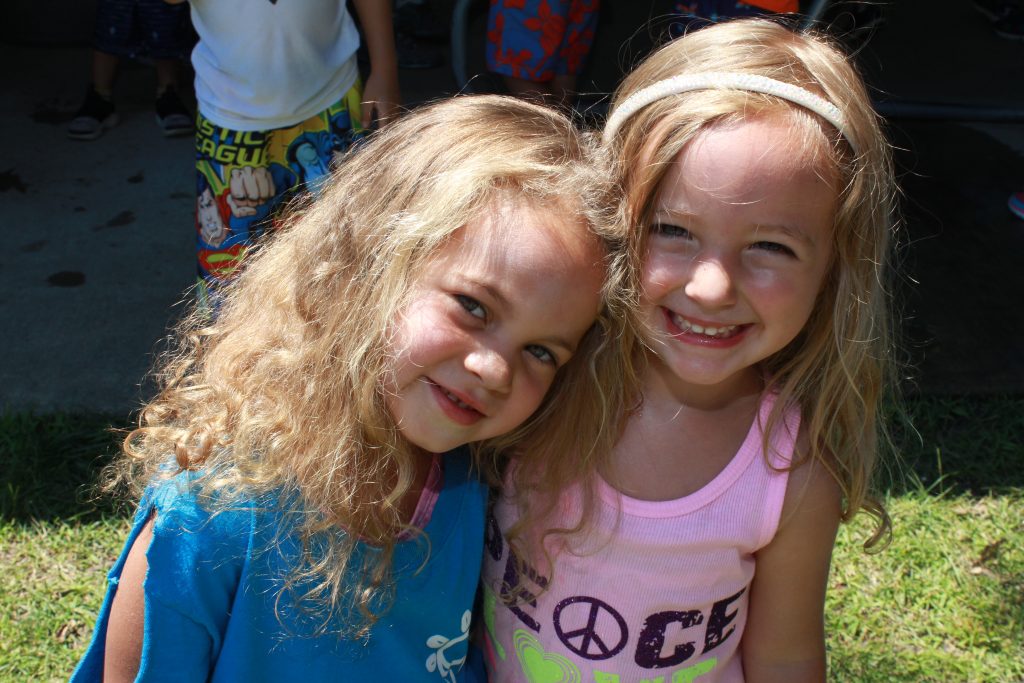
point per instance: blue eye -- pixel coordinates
(774, 247)
(472, 306)
(541, 354)
(669, 230)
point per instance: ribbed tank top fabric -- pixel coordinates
(653, 589)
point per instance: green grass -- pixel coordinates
(56, 541)
(943, 602)
(51, 586)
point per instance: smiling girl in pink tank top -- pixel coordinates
(758, 191)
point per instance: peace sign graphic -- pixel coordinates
(593, 618)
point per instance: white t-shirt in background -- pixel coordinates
(261, 64)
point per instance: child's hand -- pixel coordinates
(381, 99)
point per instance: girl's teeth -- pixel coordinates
(456, 401)
(686, 326)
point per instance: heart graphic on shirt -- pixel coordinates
(540, 666)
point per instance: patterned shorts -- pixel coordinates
(245, 178)
(697, 13)
(129, 28)
(536, 40)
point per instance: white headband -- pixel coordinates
(725, 80)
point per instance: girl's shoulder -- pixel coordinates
(193, 518)
(813, 494)
(784, 426)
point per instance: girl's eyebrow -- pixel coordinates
(789, 230)
(492, 290)
(674, 214)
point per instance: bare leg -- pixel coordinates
(559, 91)
(563, 88)
(104, 70)
(528, 90)
(167, 75)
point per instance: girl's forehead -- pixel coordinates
(780, 139)
(523, 225)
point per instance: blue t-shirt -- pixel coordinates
(213, 581)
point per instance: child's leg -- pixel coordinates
(580, 28)
(540, 48)
(563, 89)
(167, 37)
(168, 40)
(528, 90)
(168, 75)
(112, 41)
(172, 115)
(519, 48)
(104, 71)
(560, 90)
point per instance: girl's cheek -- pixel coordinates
(659, 278)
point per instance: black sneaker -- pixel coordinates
(96, 114)
(171, 114)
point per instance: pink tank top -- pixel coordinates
(656, 592)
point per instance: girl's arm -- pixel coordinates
(123, 651)
(784, 639)
(381, 90)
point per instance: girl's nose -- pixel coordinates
(493, 369)
(710, 284)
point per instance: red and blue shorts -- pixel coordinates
(536, 40)
(697, 13)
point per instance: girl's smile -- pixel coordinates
(457, 406)
(499, 309)
(739, 249)
(692, 331)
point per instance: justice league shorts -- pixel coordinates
(129, 28)
(244, 179)
(536, 40)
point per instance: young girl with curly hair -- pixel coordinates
(759, 193)
(308, 508)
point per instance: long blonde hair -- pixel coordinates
(838, 370)
(282, 395)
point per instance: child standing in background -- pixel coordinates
(759, 191)
(541, 46)
(127, 29)
(307, 509)
(279, 99)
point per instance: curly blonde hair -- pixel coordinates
(281, 397)
(838, 370)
